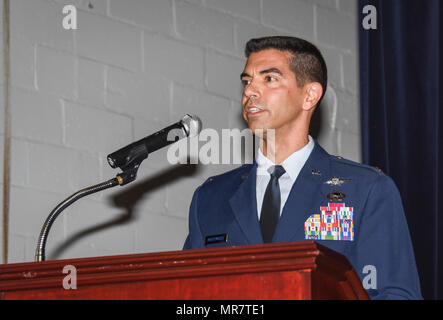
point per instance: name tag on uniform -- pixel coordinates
(217, 238)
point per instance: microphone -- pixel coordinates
(130, 157)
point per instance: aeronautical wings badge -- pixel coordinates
(337, 181)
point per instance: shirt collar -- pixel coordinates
(292, 164)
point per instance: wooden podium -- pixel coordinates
(293, 270)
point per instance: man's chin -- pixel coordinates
(261, 131)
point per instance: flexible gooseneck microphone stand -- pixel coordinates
(40, 251)
(128, 175)
(128, 159)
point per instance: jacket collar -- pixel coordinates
(306, 194)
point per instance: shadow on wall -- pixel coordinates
(127, 200)
(317, 119)
(323, 123)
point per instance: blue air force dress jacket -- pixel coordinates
(368, 225)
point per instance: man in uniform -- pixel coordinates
(296, 191)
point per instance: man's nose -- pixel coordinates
(251, 90)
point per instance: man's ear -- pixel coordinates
(313, 93)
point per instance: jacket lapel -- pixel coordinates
(244, 206)
(305, 198)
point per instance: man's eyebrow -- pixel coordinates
(270, 70)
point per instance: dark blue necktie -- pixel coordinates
(270, 211)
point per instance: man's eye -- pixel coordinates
(270, 78)
(246, 82)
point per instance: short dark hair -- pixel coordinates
(307, 62)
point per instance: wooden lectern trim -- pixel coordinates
(305, 257)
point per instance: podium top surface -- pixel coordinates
(223, 261)
(235, 259)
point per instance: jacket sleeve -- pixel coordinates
(384, 256)
(194, 240)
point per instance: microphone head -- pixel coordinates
(192, 125)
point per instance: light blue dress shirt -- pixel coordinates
(292, 165)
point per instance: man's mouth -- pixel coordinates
(250, 110)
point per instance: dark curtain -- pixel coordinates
(401, 64)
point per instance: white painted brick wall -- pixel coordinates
(40, 22)
(55, 72)
(94, 129)
(217, 63)
(245, 30)
(36, 116)
(342, 35)
(156, 15)
(204, 26)
(108, 41)
(294, 16)
(91, 92)
(248, 9)
(126, 94)
(174, 59)
(22, 56)
(130, 69)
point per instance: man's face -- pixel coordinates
(271, 98)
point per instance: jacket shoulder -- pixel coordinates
(239, 173)
(347, 165)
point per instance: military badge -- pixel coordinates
(336, 196)
(336, 181)
(334, 222)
